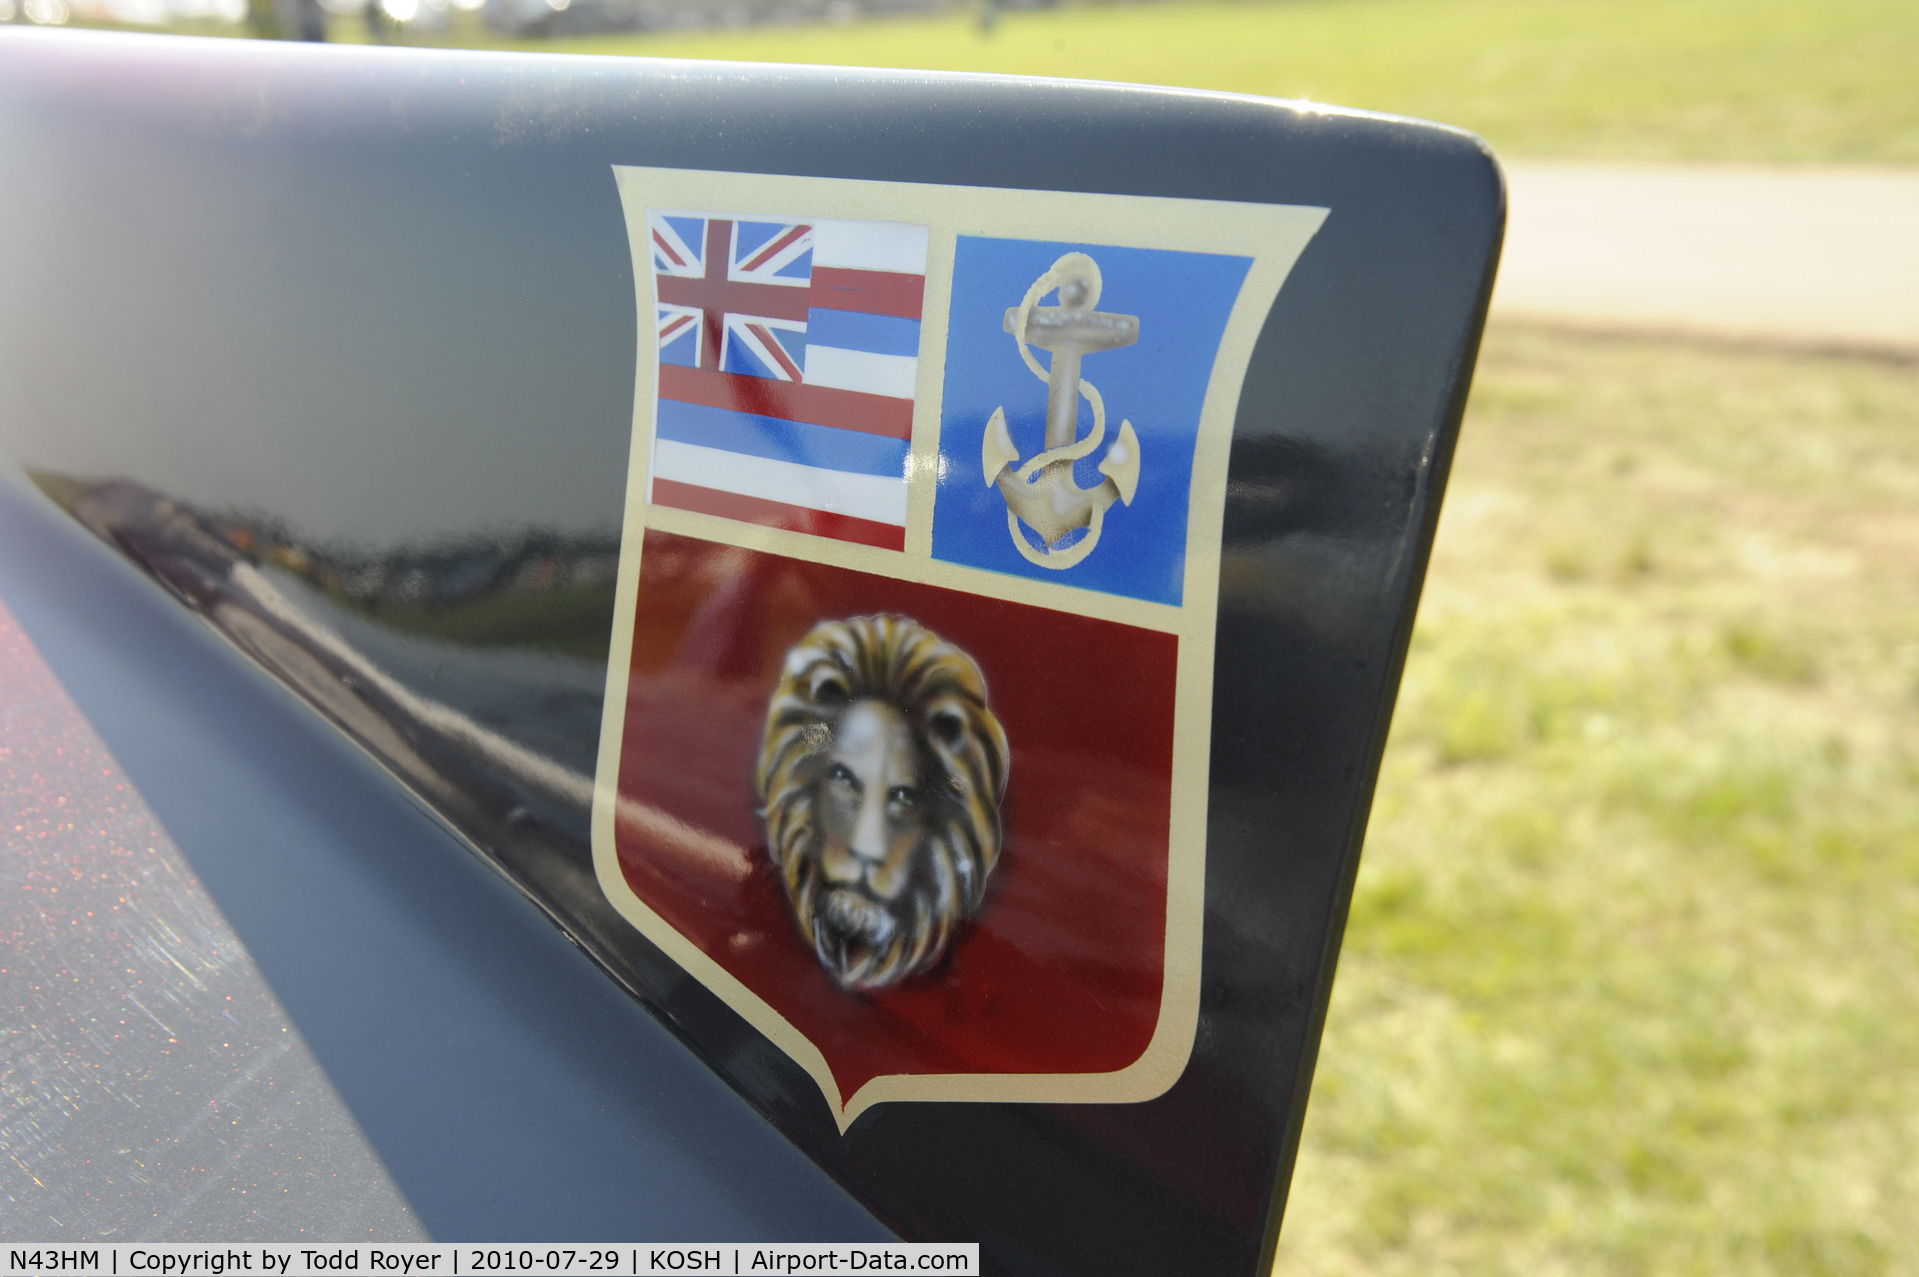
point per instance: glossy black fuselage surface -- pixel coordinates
(262, 304)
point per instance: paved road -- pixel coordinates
(1822, 255)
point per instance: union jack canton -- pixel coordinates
(788, 354)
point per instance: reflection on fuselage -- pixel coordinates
(474, 668)
(474, 671)
(533, 588)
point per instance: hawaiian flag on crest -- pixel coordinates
(788, 356)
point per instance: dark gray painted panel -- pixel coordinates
(515, 1092)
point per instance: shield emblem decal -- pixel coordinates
(909, 707)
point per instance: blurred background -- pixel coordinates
(1632, 978)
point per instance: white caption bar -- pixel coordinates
(445, 1259)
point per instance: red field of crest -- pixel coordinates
(1063, 968)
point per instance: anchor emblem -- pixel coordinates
(1042, 492)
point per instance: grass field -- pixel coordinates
(1631, 976)
(1719, 79)
(1762, 80)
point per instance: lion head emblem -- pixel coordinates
(880, 781)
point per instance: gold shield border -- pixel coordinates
(1273, 236)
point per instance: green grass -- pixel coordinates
(1631, 983)
(1719, 79)
(1763, 80)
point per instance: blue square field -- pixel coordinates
(1182, 301)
